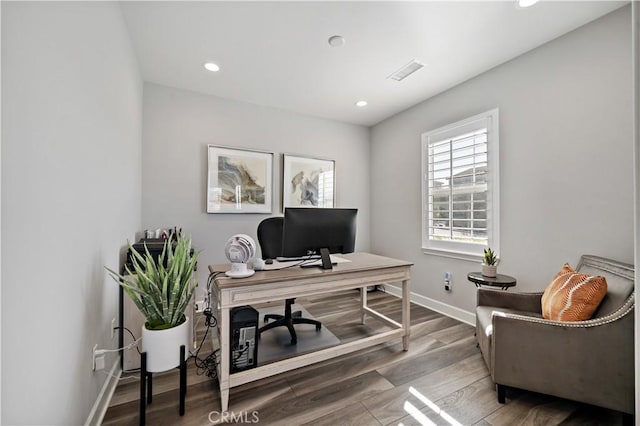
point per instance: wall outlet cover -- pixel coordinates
(93, 357)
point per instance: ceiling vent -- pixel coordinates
(406, 70)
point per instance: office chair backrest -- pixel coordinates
(270, 237)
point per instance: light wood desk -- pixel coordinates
(364, 270)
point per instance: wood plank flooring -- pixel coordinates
(441, 380)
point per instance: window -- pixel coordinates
(460, 209)
(325, 189)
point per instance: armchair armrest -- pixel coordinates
(528, 302)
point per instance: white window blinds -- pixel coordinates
(325, 189)
(459, 190)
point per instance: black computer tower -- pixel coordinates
(244, 338)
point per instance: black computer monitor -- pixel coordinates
(307, 230)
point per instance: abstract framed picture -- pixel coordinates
(308, 182)
(239, 180)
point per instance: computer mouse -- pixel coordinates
(268, 261)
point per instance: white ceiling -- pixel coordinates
(276, 53)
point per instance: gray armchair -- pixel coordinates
(587, 361)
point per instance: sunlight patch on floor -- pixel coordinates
(420, 416)
(416, 414)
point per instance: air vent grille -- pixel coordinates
(406, 70)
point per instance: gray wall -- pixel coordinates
(71, 177)
(566, 162)
(178, 125)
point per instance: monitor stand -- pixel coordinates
(326, 259)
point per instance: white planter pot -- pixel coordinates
(163, 346)
(489, 270)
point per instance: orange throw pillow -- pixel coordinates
(573, 296)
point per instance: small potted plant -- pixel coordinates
(161, 288)
(489, 263)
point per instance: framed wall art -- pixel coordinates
(308, 182)
(239, 180)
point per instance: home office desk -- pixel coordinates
(364, 269)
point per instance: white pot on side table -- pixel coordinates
(489, 270)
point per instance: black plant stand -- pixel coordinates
(146, 384)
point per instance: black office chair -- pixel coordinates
(270, 239)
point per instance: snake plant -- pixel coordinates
(161, 288)
(490, 257)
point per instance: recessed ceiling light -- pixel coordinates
(526, 3)
(211, 67)
(336, 41)
(361, 104)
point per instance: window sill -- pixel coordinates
(469, 257)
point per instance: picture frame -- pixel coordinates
(307, 182)
(239, 180)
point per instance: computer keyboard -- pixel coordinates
(298, 258)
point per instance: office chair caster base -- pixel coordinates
(274, 317)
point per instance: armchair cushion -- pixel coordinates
(573, 296)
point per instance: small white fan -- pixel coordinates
(239, 250)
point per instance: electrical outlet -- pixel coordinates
(200, 305)
(98, 360)
(93, 357)
(100, 363)
(447, 281)
(113, 327)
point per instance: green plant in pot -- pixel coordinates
(489, 263)
(162, 288)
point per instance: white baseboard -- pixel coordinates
(99, 408)
(435, 305)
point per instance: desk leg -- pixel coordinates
(224, 358)
(363, 303)
(406, 314)
(224, 398)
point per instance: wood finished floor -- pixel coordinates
(441, 380)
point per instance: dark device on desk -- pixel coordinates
(154, 245)
(244, 333)
(318, 231)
